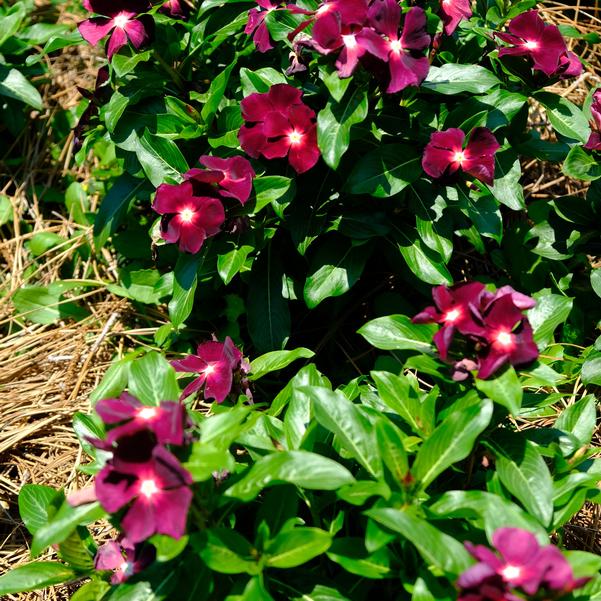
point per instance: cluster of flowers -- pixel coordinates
(370, 32)
(494, 322)
(123, 21)
(193, 210)
(594, 141)
(521, 566)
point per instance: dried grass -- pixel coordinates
(47, 372)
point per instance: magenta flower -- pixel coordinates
(594, 141)
(456, 308)
(348, 13)
(521, 563)
(408, 66)
(530, 36)
(174, 8)
(508, 335)
(151, 482)
(445, 154)
(215, 363)
(188, 219)
(236, 175)
(279, 124)
(124, 558)
(257, 27)
(569, 66)
(166, 420)
(120, 19)
(453, 12)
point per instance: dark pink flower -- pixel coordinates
(188, 219)
(121, 17)
(97, 98)
(445, 154)
(175, 8)
(456, 308)
(530, 36)
(153, 485)
(257, 27)
(236, 173)
(569, 66)
(520, 563)
(348, 13)
(215, 363)
(508, 336)
(124, 558)
(166, 420)
(279, 124)
(594, 141)
(408, 66)
(453, 12)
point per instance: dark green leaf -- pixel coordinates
(292, 548)
(396, 332)
(34, 576)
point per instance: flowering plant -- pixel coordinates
(359, 157)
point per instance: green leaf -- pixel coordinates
(596, 280)
(34, 576)
(255, 591)
(524, 473)
(259, 80)
(6, 209)
(334, 124)
(392, 450)
(63, 523)
(304, 469)
(565, 117)
(91, 591)
(507, 188)
(580, 164)
(437, 549)
(359, 492)
(579, 419)
(114, 207)
(398, 395)
(396, 332)
(161, 159)
(495, 512)
(225, 551)
(354, 431)
(276, 190)
(34, 501)
(551, 310)
(215, 93)
(267, 310)
(208, 458)
(276, 360)
(14, 85)
(452, 78)
(452, 441)
(385, 171)
(505, 389)
(114, 381)
(231, 263)
(45, 305)
(43, 242)
(184, 288)
(350, 553)
(335, 280)
(152, 379)
(292, 548)
(591, 370)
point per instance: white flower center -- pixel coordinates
(510, 572)
(531, 45)
(504, 339)
(323, 9)
(396, 46)
(209, 369)
(126, 568)
(149, 488)
(295, 137)
(349, 41)
(121, 21)
(459, 157)
(186, 215)
(147, 413)
(452, 315)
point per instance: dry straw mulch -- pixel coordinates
(47, 372)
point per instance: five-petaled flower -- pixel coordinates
(521, 563)
(129, 415)
(404, 51)
(216, 363)
(151, 482)
(445, 154)
(187, 218)
(120, 18)
(279, 124)
(453, 12)
(528, 35)
(594, 141)
(124, 558)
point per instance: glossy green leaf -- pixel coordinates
(503, 388)
(35, 576)
(455, 79)
(396, 332)
(276, 360)
(292, 548)
(153, 380)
